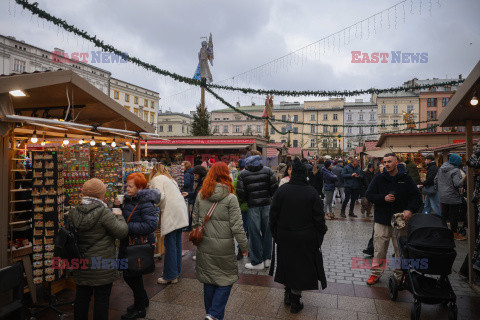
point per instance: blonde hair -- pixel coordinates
(159, 169)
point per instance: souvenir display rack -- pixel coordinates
(105, 165)
(48, 209)
(76, 172)
(140, 166)
(176, 171)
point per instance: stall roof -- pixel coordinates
(59, 89)
(459, 147)
(380, 152)
(458, 109)
(384, 136)
(295, 151)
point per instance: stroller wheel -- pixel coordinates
(453, 311)
(393, 287)
(416, 310)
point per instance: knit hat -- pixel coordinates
(327, 164)
(94, 188)
(455, 159)
(298, 168)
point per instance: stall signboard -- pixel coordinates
(458, 141)
(200, 141)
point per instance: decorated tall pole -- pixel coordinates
(203, 73)
(267, 114)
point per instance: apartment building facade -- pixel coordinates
(390, 108)
(18, 57)
(227, 122)
(142, 102)
(359, 113)
(174, 124)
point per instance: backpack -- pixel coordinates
(66, 242)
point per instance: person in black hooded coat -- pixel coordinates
(297, 222)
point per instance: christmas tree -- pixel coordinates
(201, 122)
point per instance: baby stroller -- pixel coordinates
(427, 255)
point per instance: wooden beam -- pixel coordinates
(138, 151)
(470, 207)
(4, 164)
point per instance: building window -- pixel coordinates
(349, 130)
(431, 102)
(127, 97)
(360, 130)
(431, 115)
(325, 129)
(395, 123)
(382, 123)
(445, 102)
(360, 116)
(372, 116)
(145, 115)
(325, 116)
(135, 111)
(312, 117)
(395, 109)
(183, 129)
(409, 108)
(372, 130)
(215, 130)
(447, 88)
(295, 130)
(152, 117)
(284, 130)
(284, 117)
(335, 129)
(284, 141)
(225, 129)
(295, 117)
(295, 143)
(152, 104)
(259, 129)
(19, 65)
(334, 143)
(349, 117)
(145, 103)
(383, 109)
(170, 128)
(432, 89)
(115, 94)
(312, 129)
(272, 131)
(135, 100)
(237, 129)
(335, 116)
(312, 143)
(324, 143)
(431, 128)
(273, 117)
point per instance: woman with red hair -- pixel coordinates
(216, 264)
(141, 214)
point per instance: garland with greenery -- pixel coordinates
(33, 8)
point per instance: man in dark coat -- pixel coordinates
(367, 179)
(412, 171)
(298, 226)
(256, 186)
(432, 202)
(393, 191)
(352, 180)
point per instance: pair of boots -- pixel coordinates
(134, 313)
(350, 214)
(293, 300)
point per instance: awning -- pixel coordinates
(379, 153)
(213, 146)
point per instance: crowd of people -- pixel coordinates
(250, 214)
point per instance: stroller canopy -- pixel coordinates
(429, 231)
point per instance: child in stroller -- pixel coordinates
(427, 256)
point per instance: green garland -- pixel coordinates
(33, 8)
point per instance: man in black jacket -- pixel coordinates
(432, 202)
(393, 191)
(256, 186)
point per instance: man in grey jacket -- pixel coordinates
(448, 181)
(339, 189)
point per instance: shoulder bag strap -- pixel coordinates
(132, 213)
(209, 214)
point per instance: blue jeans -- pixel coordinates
(432, 202)
(245, 224)
(172, 266)
(260, 236)
(215, 299)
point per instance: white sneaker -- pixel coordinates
(194, 258)
(259, 266)
(268, 263)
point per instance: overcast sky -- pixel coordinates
(250, 33)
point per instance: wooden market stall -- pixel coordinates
(37, 112)
(463, 110)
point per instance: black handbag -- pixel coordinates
(139, 256)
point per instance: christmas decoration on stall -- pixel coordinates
(205, 55)
(105, 164)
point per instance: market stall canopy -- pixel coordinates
(459, 109)
(379, 153)
(455, 147)
(48, 95)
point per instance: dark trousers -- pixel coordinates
(101, 300)
(139, 294)
(215, 299)
(352, 195)
(370, 242)
(451, 212)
